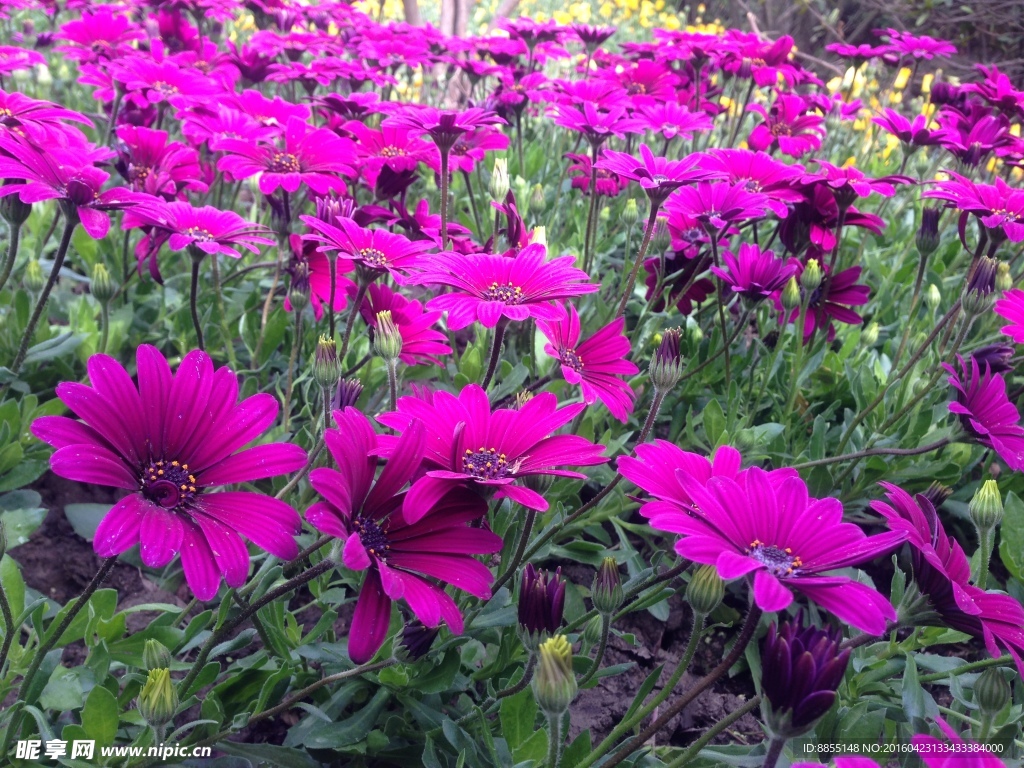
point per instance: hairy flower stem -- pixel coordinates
(519, 140)
(746, 633)
(722, 299)
(5, 610)
(706, 738)
(606, 625)
(914, 301)
(392, 366)
(775, 747)
(588, 233)
(898, 377)
(14, 237)
(556, 740)
(718, 352)
(293, 358)
(496, 340)
(625, 726)
(225, 331)
(104, 326)
(269, 301)
(644, 245)
(740, 114)
(47, 644)
(444, 150)
(364, 285)
(798, 353)
(517, 558)
(963, 669)
(473, 206)
(228, 626)
(332, 265)
(193, 293)
(290, 486)
(980, 563)
(71, 221)
(876, 452)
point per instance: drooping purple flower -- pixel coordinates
(468, 444)
(753, 273)
(403, 559)
(914, 134)
(986, 412)
(169, 440)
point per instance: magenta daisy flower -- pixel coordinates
(312, 265)
(168, 441)
(823, 308)
(760, 173)
(597, 364)
(469, 444)
(376, 250)
(916, 133)
(597, 125)
(997, 206)
(1011, 306)
(515, 286)
(391, 147)
(421, 343)
(208, 229)
(918, 46)
(716, 205)
(953, 751)
(787, 125)
(163, 81)
(581, 171)
(310, 156)
(986, 412)
(753, 273)
(443, 126)
(403, 559)
(671, 119)
(150, 164)
(18, 110)
(658, 176)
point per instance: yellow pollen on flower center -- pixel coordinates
(778, 561)
(507, 294)
(392, 151)
(198, 233)
(486, 464)
(374, 257)
(283, 162)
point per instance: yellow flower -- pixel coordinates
(926, 83)
(902, 79)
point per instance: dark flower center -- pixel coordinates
(168, 483)
(460, 148)
(373, 537)
(778, 561)
(485, 464)
(374, 257)
(507, 294)
(781, 129)
(283, 162)
(570, 358)
(140, 172)
(198, 233)
(392, 151)
(165, 88)
(634, 89)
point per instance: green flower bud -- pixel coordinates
(155, 655)
(991, 692)
(661, 238)
(932, 297)
(869, 335)
(13, 210)
(299, 290)
(1004, 280)
(499, 186)
(631, 213)
(705, 591)
(539, 236)
(607, 590)
(986, 508)
(791, 295)
(554, 684)
(810, 278)
(666, 363)
(102, 287)
(326, 366)
(33, 280)
(537, 200)
(158, 699)
(387, 339)
(592, 631)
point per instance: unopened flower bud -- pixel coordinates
(1004, 280)
(539, 236)
(33, 280)
(346, 394)
(102, 286)
(666, 363)
(13, 210)
(158, 699)
(631, 213)
(932, 297)
(326, 366)
(592, 631)
(977, 295)
(537, 200)
(607, 590)
(937, 493)
(499, 186)
(661, 238)
(554, 684)
(299, 290)
(791, 295)
(869, 335)
(991, 692)
(155, 655)
(705, 591)
(414, 641)
(522, 398)
(387, 339)
(928, 232)
(541, 603)
(998, 358)
(986, 508)
(810, 278)
(694, 336)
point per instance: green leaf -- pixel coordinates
(352, 730)
(19, 524)
(59, 346)
(440, 677)
(268, 754)
(1011, 544)
(576, 752)
(13, 584)
(100, 715)
(85, 518)
(63, 691)
(913, 696)
(714, 422)
(518, 715)
(534, 748)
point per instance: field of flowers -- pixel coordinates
(554, 396)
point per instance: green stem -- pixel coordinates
(444, 197)
(718, 353)
(332, 265)
(591, 215)
(196, 261)
(104, 325)
(775, 748)
(798, 354)
(353, 311)
(392, 366)
(876, 452)
(309, 465)
(705, 739)
(914, 300)
(5, 609)
(225, 331)
(606, 626)
(722, 298)
(517, 558)
(472, 205)
(71, 220)
(963, 669)
(50, 640)
(496, 340)
(986, 539)
(293, 358)
(14, 236)
(556, 740)
(644, 245)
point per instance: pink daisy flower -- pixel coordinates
(207, 229)
(753, 273)
(375, 250)
(1011, 306)
(403, 559)
(168, 441)
(469, 444)
(986, 412)
(515, 286)
(597, 364)
(317, 272)
(953, 751)
(787, 125)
